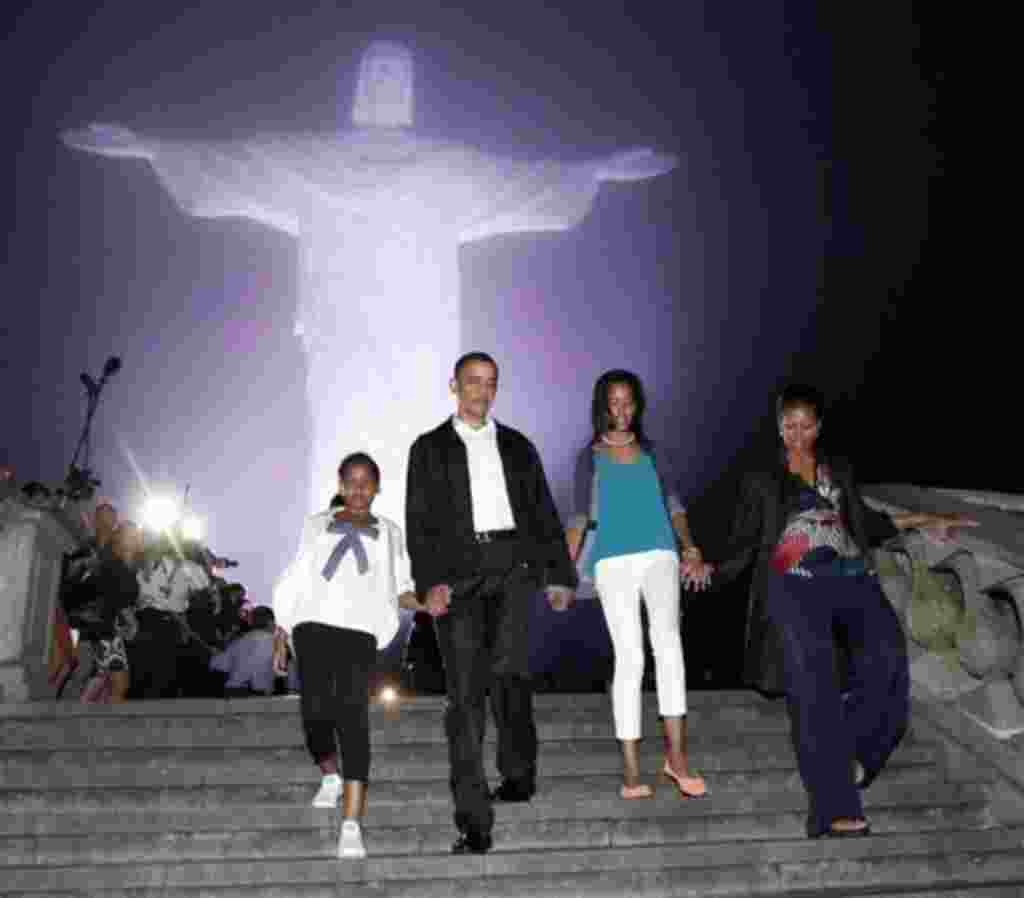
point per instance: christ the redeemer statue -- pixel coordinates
(379, 212)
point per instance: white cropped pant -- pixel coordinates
(620, 582)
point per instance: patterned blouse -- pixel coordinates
(816, 542)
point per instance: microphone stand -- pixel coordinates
(80, 483)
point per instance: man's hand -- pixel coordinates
(438, 599)
(696, 574)
(560, 597)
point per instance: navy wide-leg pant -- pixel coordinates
(830, 729)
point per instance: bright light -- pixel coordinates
(388, 696)
(192, 528)
(159, 513)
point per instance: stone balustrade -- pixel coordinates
(33, 539)
(962, 602)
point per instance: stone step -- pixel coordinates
(579, 798)
(276, 723)
(697, 700)
(908, 861)
(151, 766)
(906, 768)
(285, 731)
(279, 832)
(950, 890)
(939, 889)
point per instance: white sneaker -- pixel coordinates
(350, 843)
(330, 792)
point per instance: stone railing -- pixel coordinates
(962, 605)
(962, 602)
(33, 540)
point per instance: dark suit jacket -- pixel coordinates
(765, 503)
(439, 509)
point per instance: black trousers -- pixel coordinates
(484, 643)
(334, 667)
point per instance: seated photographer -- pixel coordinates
(248, 660)
(230, 619)
(165, 648)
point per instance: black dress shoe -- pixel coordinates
(472, 842)
(514, 790)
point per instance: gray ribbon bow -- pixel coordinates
(350, 539)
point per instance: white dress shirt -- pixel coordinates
(487, 486)
(366, 602)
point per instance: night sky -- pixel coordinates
(808, 233)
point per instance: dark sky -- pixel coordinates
(807, 234)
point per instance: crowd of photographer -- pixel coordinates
(155, 618)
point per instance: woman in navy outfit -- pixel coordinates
(804, 525)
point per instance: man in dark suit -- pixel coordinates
(484, 537)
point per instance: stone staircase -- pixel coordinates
(211, 798)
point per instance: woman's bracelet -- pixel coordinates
(692, 552)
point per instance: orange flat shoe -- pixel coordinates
(640, 791)
(689, 786)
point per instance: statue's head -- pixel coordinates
(384, 91)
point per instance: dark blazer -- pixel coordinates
(439, 509)
(766, 500)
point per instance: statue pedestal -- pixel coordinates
(32, 542)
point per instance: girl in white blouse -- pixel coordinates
(340, 599)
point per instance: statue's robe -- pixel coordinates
(379, 214)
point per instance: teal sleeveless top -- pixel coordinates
(633, 517)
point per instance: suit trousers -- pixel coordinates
(484, 643)
(831, 729)
(334, 666)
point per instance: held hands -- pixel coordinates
(560, 598)
(437, 600)
(695, 572)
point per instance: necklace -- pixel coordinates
(629, 440)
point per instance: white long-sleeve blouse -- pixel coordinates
(367, 602)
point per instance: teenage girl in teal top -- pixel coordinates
(638, 546)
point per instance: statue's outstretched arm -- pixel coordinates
(633, 165)
(110, 140)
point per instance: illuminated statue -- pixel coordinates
(379, 213)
